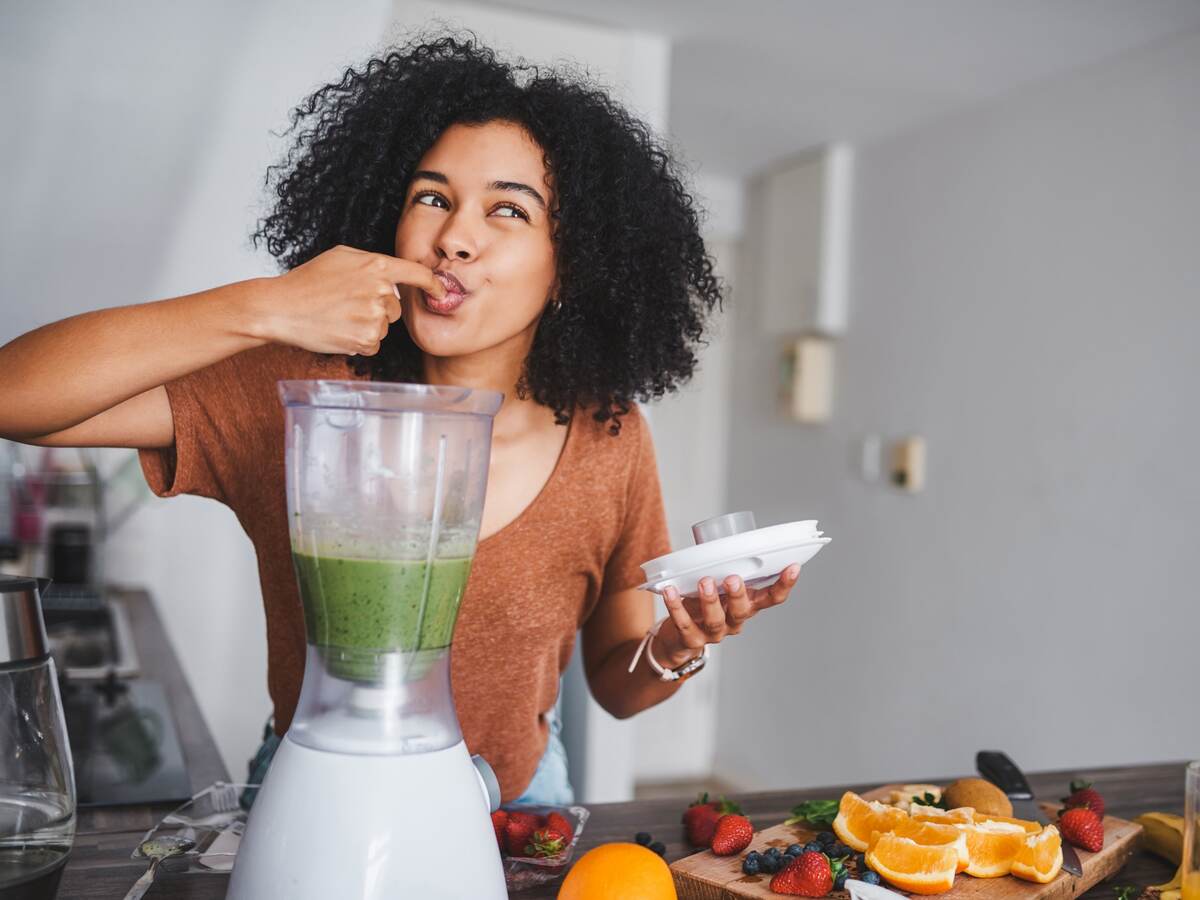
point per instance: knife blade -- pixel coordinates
(998, 768)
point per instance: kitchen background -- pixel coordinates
(982, 217)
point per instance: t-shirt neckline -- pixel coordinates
(531, 508)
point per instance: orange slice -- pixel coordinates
(1030, 827)
(1040, 858)
(931, 834)
(913, 867)
(858, 818)
(992, 846)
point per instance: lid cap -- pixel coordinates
(722, 526)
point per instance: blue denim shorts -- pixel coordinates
(549, 785)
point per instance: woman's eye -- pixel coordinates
(421, 198)
(507, 211)
(516, 212)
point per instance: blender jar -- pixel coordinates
(385, 491)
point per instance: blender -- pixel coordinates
(372, 793)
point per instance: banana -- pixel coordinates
(1162, 835)
(1175, 885)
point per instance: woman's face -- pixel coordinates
(477, 209)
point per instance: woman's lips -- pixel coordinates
(455, 295)
(453, 301)
(450, 280)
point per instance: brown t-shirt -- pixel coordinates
(533, 584)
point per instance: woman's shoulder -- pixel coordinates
(602, 447)
(631, 424)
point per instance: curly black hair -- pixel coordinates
(636, 284)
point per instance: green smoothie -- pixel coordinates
(355, 607)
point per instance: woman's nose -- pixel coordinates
(456, 241)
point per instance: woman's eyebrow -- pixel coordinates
(516, 186)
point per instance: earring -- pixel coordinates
(556, 304)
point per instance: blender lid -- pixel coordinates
(387, 396)
(756, 556)
(22, 631)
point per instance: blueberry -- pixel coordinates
(750, 865)
(774, 852)
(794, 850)
(813, 845)
(754, 855)
(768, 864)
(840, 881)
(659, 847)
(870, 877)
(837, 848)
(644, 838)
(862, 862)
(826, 837)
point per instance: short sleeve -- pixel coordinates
(220, 413)
(187, 467)
(644, 533)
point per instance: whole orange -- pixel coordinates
(619, 872)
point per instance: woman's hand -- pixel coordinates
(711, 617)
(342, 301)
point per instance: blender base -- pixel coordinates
(363, 827)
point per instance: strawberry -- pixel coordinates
(732, 835)
(700, 819)
(499, 820)
(1083, 794)
(559, 823)
(518, 830)
(699, 825)
(546, 842)
(1082, 827)
(808, 875)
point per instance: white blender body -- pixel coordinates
(372, 793)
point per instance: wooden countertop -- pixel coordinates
(100, 867)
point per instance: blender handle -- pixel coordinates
(487, 782)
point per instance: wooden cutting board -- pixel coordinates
(705, 876)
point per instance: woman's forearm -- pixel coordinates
(64, 373)
(340, 301)
(624, 693)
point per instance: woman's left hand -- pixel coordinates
(712, 617)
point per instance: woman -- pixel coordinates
(531, 238)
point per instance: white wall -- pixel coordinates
(1025, 287)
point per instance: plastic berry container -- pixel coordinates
(523, 872)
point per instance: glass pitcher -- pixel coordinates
(37, 782)
(385, 491)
